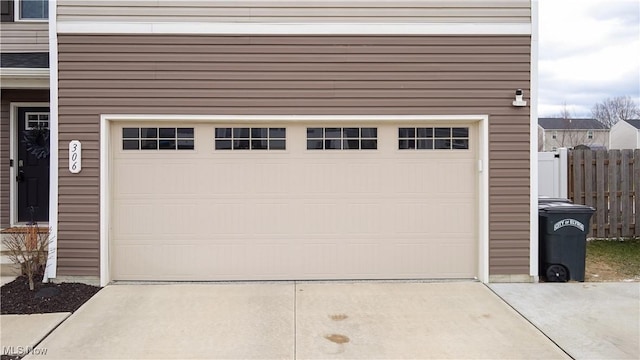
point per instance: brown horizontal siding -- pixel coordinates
(318, 103)
(225, 47)
(350, 72)
(82, 239)
(509, 196)
(8, 96)
(267, 75)
(516, 11)
(304, 62)
(272, 94)
(24, 36)
(78, 84)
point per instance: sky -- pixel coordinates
(589, 50)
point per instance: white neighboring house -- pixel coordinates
(625, 134)
(555, 133)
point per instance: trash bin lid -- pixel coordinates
(561, 207)
(548, 199)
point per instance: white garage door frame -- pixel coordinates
(483, 164)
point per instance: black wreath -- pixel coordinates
(37, 142)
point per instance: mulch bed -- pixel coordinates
(16, 298)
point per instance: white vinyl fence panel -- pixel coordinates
(552, 173)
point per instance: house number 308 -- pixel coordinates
(75, 156)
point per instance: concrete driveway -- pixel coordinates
(588, 320)
(308, 320)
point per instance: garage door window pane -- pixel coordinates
(149, 133)
(130, 145)
(351, 132)
(314, 145)
(351, 138)
(240, 144)
(250, 138)
(223, 144)
(425, 144)
(157, 138)
(369, 133)
(259, 133)
(442, 144)
(185, 145)
(259, 138)
(167, 144)
(241, 133)
(277, 145)
(333, 144)
(407, 132)
(351, 144)
(185, 133)
(442, 132)
(427, 138)
(277, 133)
(262, 144)
(149, 144)
(130, 133)
(460, 132)
(167, 133)
(277, 139)
(425, 132)
(460, 143)
(404, 144)
(223, 133)
(333, 133)
(369, 144)
(314, 133)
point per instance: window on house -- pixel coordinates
(157, 138)
(554, 135)
(590, 134)
(33, 9)
(433, 138)
(335, 138)
(36, 120)
(250, 138)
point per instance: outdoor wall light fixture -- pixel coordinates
(518, 101)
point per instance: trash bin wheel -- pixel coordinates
(557, 273)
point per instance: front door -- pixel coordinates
(32, 164)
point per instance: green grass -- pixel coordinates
(624, 256)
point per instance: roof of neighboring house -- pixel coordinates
(635, 123)
(38, 60)
(570, 124)
(590, 147)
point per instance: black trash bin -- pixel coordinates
(547, 200)
(563, 233)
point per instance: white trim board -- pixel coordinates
(24, 78)
(52, 256)
(294, 118)
(326, 28)
(25, 72)
(105, 165)
(533, 150)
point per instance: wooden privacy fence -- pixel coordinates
(609, 181)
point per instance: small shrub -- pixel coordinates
(29, 250)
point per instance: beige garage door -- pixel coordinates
(293, 201)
